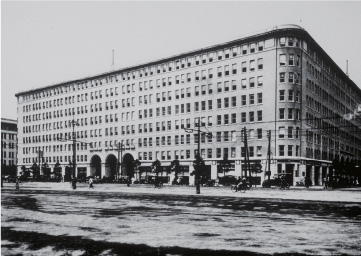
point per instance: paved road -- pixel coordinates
(48, 219)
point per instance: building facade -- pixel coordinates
(279, 81)
(8, 146)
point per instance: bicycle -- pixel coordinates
(242, 188)
(284, 185)
(329, 185)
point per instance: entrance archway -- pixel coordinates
(128, 165)
(96, 166)
(111, 166)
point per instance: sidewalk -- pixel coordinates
(315, 193)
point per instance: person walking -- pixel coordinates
(17, 185)
(91, 183)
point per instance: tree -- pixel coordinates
(57, 170)
(68, 171)
(45, 170)
(156, 167)
(36, 170)
(175, 166)
(224, 165)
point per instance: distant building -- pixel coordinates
(8, 146)
(279, 80)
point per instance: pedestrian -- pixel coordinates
(17, 185)
(91, 183)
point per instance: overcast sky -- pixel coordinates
(44, 43)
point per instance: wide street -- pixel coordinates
(113, 219)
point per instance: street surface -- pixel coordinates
(113, 219)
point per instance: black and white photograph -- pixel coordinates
(180, 128)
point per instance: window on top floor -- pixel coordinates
(260, 46)
(291, 41)
(197, 59)
(220, 54)
(244, 49)
(283, 41)
(211, 56)
(234, 51)
(252, 48)
(204, 58)
(227, 53)
(183, 63)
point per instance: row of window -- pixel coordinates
(56, 159)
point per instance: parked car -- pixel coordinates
(271, 182)
(228, 180)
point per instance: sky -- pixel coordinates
(49, 42)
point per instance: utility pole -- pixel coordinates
(197, 181)
(73, 123)
(269, 154)
(244, 130)
(246, 155)
(198, 157)
(40, 154)
(120, 151)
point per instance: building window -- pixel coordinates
(281, 113)
(282, 95)
(282, 41)
(252, 65)
(234, 85)
(290, 77)
(234, 69)
(259, 133)
(290, 114)
(281, 133)
(251, 82)
(251, 99)
(234, 118)
(260, 64)
(251, 116)
(244, 67)
(244, 100)
(291, 60)
(234, 101)
(281, 150)
(243, 117)
(282, 59)
(259, 98)
(290, 149)
(290, 132)
(244, 83)
(282, 77)
(259, 116)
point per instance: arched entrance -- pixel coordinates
(111, 166)
(96, 166)
(128, 165)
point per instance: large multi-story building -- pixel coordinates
(8, 146)
(279, 80)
